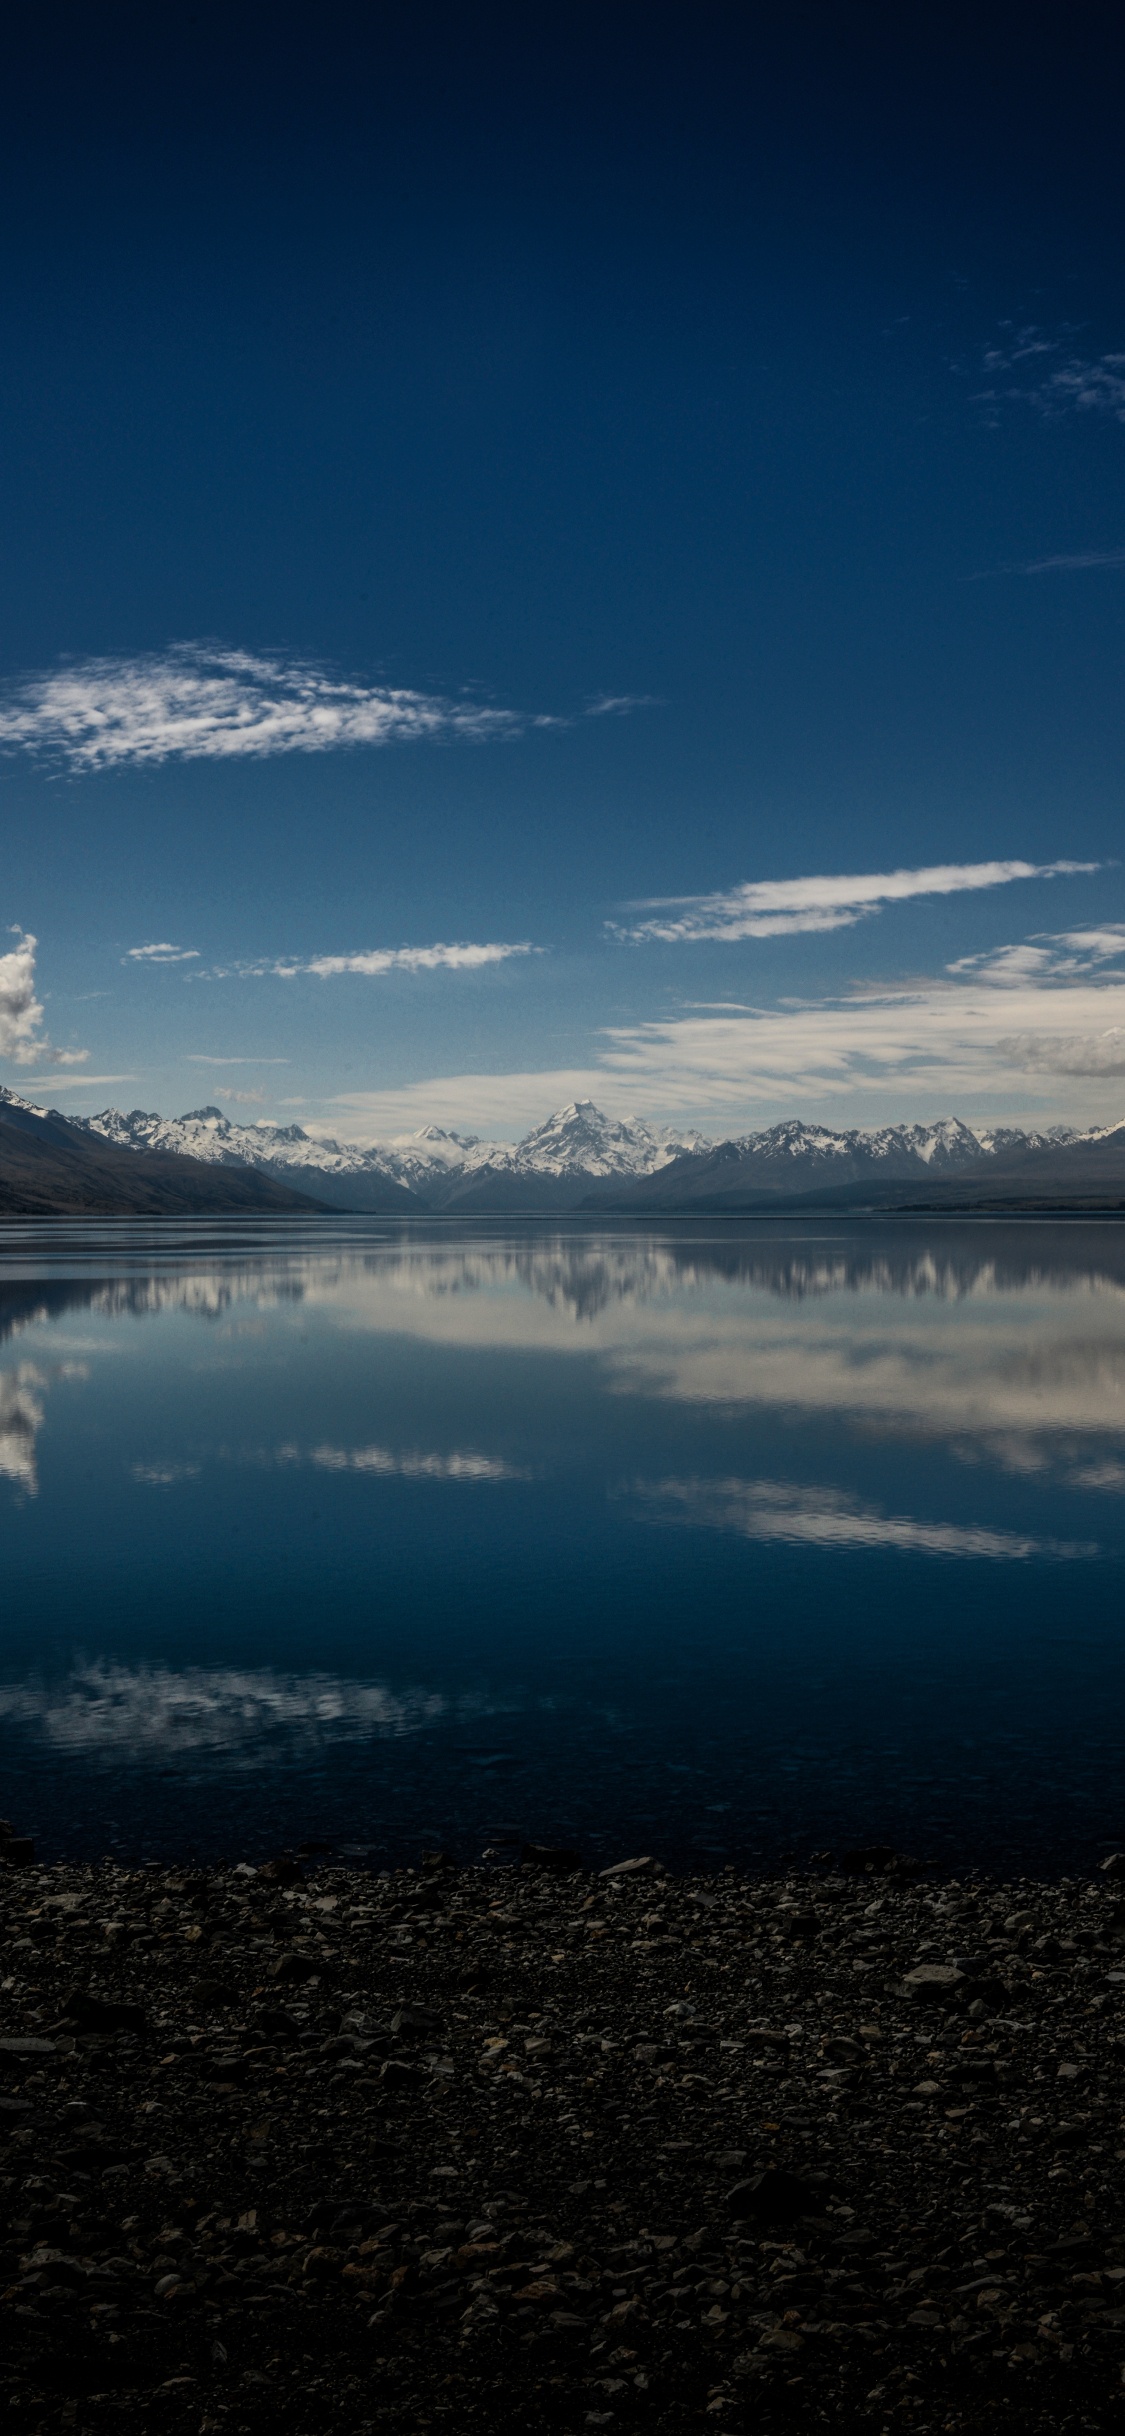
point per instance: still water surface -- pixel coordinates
(721, 1541)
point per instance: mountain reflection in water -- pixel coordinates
(754, 1533)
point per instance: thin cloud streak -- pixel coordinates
(160, 951)
(199, 701)
(769, 909)
(460, 956)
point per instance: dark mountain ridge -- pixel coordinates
(50, 1168)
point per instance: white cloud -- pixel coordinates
(1058, 1053)
(768, 909)
(161, 951)
(800, 1516)
(205, 701)
(1063, 955)
(460, 956)
(22, 1037)
(933, 1045)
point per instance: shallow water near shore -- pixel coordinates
(722, 1540)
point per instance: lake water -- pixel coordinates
(721, 1541)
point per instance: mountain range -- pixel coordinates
(578, 1159)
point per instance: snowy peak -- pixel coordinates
(579, 1151)
(581, 1139)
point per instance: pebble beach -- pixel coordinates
(297, 2147)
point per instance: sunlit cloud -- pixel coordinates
(770, 909)
(947, 1042)
(22, 1038)
(201, 701)
(464, 956)
(160, 951)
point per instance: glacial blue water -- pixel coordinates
(718, 1540)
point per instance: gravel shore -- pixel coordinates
(496, 2150)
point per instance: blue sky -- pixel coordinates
(522, 527)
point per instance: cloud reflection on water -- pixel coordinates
(822, 1517)
(249, 1716)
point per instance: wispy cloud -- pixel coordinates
(196, 1057)
(461, 956)
(1059, 956)
(950, 1041)
(1020, 369)
(1073, 562)
(75, 1082)
(22, 1037)
(160, 951)
(1063, 562)
(769, 909)
(205, 701)
(802, 1516)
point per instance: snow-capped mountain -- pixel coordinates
(579, 1157)
(574, 1147)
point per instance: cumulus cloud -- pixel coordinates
(159, 951)
(22, 1037)
(769, 909)
(204, 701)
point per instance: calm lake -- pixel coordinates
(721, 1540)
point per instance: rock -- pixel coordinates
(25, 2048)
(933, 1979)
(868, 1860)
(291, 1969)
(774, 2197)
(214, 1993)
(284, 1871)
(415, 2021)
(628, 1869)
(106, 2013)
(552, 1857)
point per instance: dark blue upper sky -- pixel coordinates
(759, 374)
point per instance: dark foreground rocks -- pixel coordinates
(497, 2151)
